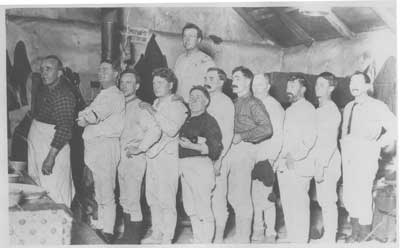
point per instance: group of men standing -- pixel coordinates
(194, 132)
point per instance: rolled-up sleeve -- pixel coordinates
(171, 122)
(64, 111)
(103, 107)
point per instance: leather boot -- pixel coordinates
(364, 232)
(132, 231)
(108, 238)
(355, 231)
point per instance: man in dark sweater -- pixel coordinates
(252, 125)
(200, 145)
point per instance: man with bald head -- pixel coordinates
(49, 162)
(267, 151)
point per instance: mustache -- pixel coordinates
(207, 86)
(234, 86)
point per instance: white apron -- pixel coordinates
(360, 164)
(59, 184)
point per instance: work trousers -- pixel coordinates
(130, 176)
(327, 197)
(264, 210)
(198, 181)
(102, 156)
(240, 161)
(360, 164)
(295, 204)
(161, 188)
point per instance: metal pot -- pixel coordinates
(13, 178)
(19, 166)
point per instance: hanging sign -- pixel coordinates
(138, 35)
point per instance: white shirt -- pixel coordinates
(140, 127)
(170, 116)
(328, 122)
(369, 117)
(108, 108)
(299, 136)
(270, 148)
(222, 109)
(191, 70)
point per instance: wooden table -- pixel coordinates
(80, 232)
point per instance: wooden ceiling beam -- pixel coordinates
(300, 33)
(257, 27)
(387, 17)
(338, 25)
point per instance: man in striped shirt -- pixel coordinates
(48, 149)
(252, 125)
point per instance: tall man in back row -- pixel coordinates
(364, 120)
(252, 125)
(191, 66)
(49, 162)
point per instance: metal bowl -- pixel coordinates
(20, 166)
(13, 178)
(14, 197)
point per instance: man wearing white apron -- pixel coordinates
(222, 109)
(162, 159)
(191, 66)
(252, 125)
(139, 134)
(264, 210)
(295, 165)
(327, 155)
(361, 143)
(103, 120)
(49, 162)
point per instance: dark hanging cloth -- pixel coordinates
(227, 89)
(263, 172)
(12, 99)
(19, 145)
(152, 59)
(72, 79)
(21, 71)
